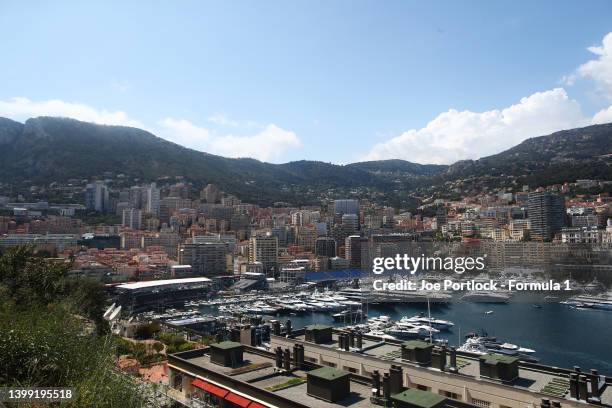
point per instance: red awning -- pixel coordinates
(256, 405)
(198, 383)
(211, 388)
(238, 400)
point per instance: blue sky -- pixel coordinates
(337, 81)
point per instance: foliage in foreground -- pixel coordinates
(52, 334)
(47, 348)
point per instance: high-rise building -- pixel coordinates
(264, 249)
(137, 197)
(205, 258)
(179, 190)
(152, 199)
(144, 198)
(546, 212)
(96, 197)
(350, 223)
(346, 206)
(325, 246)
(352, 248)
(304, 217)
(132, 218)
(284, 234)
(168, 206)
(211, 194)
(120, 206)
(306, 238)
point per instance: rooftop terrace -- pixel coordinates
(544, 381)
(258, 371)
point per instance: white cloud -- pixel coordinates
(603, 116)
(456, 135)
(268, 144)
(598, 69)
(23, 108)
(183, 132)
(222, 120)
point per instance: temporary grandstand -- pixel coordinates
(159, 294)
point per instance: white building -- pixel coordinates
(132, 218)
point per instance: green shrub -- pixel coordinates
(45, 339)
(158, 347)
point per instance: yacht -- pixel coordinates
(601, 302)
(303, 307)
(489, 345)
(330, 302)
(318, 306)
(438, 324)
(294, 306)
(253, 310)
(265, 308)
(510, 346)
(379, 323)
(594, 287)
(487, 297)
(406, 331)
(338, 298)
(350, 303)
(473, 345)
(382, 335)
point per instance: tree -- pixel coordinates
(47, 335)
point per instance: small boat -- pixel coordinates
(489, 312)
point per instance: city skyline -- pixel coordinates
(306, 204)
(435, 83)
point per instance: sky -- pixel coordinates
(336, 81)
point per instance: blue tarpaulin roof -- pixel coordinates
(333, 275)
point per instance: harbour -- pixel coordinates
(563, 335)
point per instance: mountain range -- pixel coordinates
(46, 149)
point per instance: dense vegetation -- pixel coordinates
(47, 149)
(565, 156)
(52, 334)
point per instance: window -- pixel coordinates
(481, 403)
(422, 387)
(349, 369)
(449, 394)
(329, 364)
